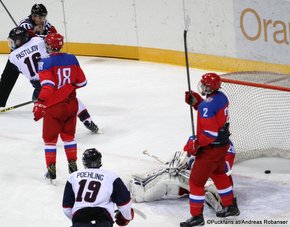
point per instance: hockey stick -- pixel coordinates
(8, 13)
(187, 21)
(140, 213)
(154, 157)
(16, 106)
(137, 211)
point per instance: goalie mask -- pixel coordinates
(92, 158)
(53, 42)
(17, 37)
(209, 83)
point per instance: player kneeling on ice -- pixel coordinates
(90, 195)
(171, 181)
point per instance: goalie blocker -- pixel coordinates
(170, 181)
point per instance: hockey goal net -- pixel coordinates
(259, 113)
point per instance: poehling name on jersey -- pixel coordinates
(97, 176)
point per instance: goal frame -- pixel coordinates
(267, 83)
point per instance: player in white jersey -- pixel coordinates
(90, 195)
(26, 52)
(36, 24)
(26, 56)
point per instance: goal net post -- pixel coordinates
(259, 113)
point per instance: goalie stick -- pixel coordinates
(16, 106)
(146, 152)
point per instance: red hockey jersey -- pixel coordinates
(212, 116)
(60, 74)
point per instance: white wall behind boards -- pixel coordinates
(157, 29)
(101, 21)
(211, 27)
(262, 30)
(257, 30)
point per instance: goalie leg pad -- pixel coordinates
(212, 198)
(155, 187)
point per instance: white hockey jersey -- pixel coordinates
(26, 57)
(96, 188)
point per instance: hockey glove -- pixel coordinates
(192, 98)
(191, 146)
(38, 110)
(120, 220)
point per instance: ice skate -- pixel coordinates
(193, 221)
(231, 210)
(90, 125)
(51, 173)
(72, 166)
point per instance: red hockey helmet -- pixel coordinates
(209, 83)
(54, 41)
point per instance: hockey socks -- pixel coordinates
(70, 150)
(50, 154)
(196, 199)
(84, 116)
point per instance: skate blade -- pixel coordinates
(50, 181)
(100, 131)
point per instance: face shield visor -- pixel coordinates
(11, 44)
(203, 89)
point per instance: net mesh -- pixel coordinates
(259, 117)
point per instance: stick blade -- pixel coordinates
(140, 213)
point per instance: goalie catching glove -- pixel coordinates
(38, 110)
(120, 220)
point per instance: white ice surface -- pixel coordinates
(138, 105)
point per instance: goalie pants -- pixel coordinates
(60, 120)
(209, 163)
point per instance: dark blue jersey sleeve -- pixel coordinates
(120, 195)
(68, 196)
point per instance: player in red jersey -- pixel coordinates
(60, 75)
(24, 57)
(210, 147)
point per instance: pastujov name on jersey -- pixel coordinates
(26, 52)
(93, 175)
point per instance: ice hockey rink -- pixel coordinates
(138, 106)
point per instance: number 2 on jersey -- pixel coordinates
(90, 192)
